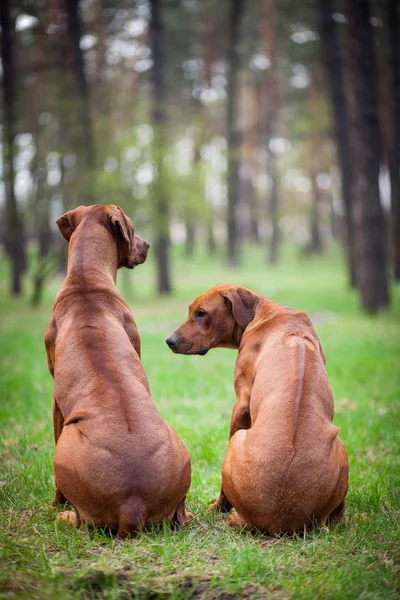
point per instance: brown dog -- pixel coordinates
(117, 462)
(285, 468)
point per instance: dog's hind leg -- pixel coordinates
(236, 521)
(338, 512)
(58, 498)
(222, 503)
(132, 518)
(182, 517)
(336, 515)
(58, 424)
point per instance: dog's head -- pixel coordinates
(216, 319)
(132, 249)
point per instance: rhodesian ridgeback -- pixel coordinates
(117, 462)
(285, 468)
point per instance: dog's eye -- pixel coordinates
(200, 313)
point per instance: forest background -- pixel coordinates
(251, 141)
(213, 124)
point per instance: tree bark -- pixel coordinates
(84, 130)
(190, 236)
(14, 234)
(334, 67)
(251, 141)
(270, 102)
(371, 277)
(208, 35)
(272, 257)
(233, 138)
(161, 200)
(316, 245)
(393, 16)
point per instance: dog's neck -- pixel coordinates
(265, 310)
(92, 255)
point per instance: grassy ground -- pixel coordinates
(360, 559)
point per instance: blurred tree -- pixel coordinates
(208, 48)
(83, 138)
(251, 142)
(160, 189)
(229, 117)
(316, 244)
(14, 233)
(392, 20)
(270, 106)
(371, 277)
(334, 65)
(235, 15)
(315, 151)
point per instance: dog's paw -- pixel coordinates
(188, 517)
(213, 506)
(218, 506)
(235, 521)
(68, 516)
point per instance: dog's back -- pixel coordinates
(117, 462)
(291, 455)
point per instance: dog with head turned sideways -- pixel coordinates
(117, 462)
(285, 469)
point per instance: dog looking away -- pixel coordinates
(285, 467)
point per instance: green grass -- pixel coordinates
(359, 559)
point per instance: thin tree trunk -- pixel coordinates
(272, 257)
(211, 243)
(190, 236)
(84, 131)
(207, 29)
(42, 217)
(14, 236)
(61, 245)
(190, 219)
(315, 234)
(334, 66)
(233, 138)
(371, 275)
(161, 201)
(393, 15)
(250, 119)
(270, 105)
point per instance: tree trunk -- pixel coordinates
(393, 15)
(211, 243)
(334, 66)
(272, 257)
(208, 35)
(269, 102)
(42, 217)
(190, 236)
(250, 120)
(14, 235)
(371, 275)
(233, 138)
(315, 234)
(161, 201)
(84, 146)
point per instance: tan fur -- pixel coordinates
(285, 467)
(117, 462)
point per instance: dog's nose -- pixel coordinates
(147, 245)
(172, 341)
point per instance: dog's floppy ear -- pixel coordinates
(242, 302)
(119, 223)
(322, 352)
(70, 220)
